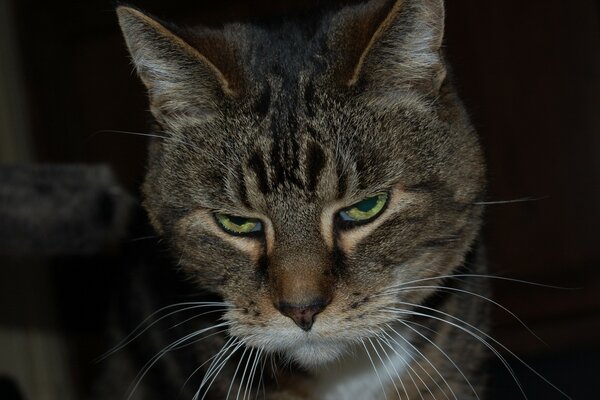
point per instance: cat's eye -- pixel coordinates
(365, 210)
(238, 225)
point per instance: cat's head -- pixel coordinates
(306, 169)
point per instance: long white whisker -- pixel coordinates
(386, 368)
(133, 336)
(521, 200)
(235, 373)
(482, 276)
(220, 367)
(232, 342)
(481, 339)
(374, 369)
(273, 368)
(201, 315)
(128, 133)
(382, 338)
(496, 342)
(407, 364)
(249, 380)
(426, 359)
(244, 373)
(261, 382)
(168, 348)
(184, 345)
(215, 357)
(169, 137)
(253, 373)
(458, 290)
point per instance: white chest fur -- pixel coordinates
(361, 376)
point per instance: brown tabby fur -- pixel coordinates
(289, 124)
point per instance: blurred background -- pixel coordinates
(529, 73)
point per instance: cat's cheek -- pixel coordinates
(349, 240)
(211, 255)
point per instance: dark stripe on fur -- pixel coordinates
(315, 161)
(242, 190)
(342, 187)
(261, 107)
(309, 100)
(257, 164)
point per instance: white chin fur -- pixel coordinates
(307, 349)
(311, 355)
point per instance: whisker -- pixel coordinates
(273, 368)
(128, 339)
(458, 290)
(184, 345)
(140, 376)
(128, 133)
(138, 239)
(479, 337)
(513, 201)
(244, 373)
(430, 363)
(387, 341)
(235, 373)
(383, 339)
(482, 276)
(220, 367)
(261, 382)
(252, 374)
(374, 369)
(167, 137)
(201, 315)
(223, 349)
(386, 367)
(216, 360)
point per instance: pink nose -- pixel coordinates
(302, 315)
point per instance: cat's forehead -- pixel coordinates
(283, 51)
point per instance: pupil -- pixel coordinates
(367, 205)
(238, 220)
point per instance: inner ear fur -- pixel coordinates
(387, 44)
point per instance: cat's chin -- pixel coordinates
(312, 355)
(308, 352)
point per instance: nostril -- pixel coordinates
(302, 315)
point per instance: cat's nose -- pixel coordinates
(303, 315)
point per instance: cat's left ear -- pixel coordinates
(181, 78)
(392, 44)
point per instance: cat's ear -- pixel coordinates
(392, 44)
(180, 77)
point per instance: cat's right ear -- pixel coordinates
(180, 79)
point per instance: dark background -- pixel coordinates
(529, 73)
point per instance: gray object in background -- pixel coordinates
(61, 210)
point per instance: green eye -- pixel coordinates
(238, 225)
(365, 210)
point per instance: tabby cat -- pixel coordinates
(320, 178)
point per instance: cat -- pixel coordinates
(321, 180)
